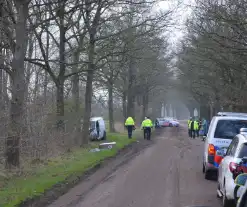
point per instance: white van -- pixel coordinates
(97, 128)
(223, 128)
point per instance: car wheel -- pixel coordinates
(218, 189)
(104, 136)
(208, 175)
(235, 193)
(226, 202)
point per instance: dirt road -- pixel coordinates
(166, 174)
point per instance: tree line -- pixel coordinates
(62, 55)
(212, 57)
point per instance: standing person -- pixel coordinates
(146, 126)
(197, 127)
(189, 122)
(156, 123)
(130, 125)
(193, 128)
(205, 126)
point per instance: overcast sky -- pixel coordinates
(180, 17)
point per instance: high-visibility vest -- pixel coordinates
(147, 123)
(189, 122)
(195, 126)
(129, 122)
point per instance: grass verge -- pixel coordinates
(18, 189)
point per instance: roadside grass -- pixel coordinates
(36, 181)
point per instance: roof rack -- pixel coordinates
(231, 114)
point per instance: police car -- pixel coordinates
(230, 167)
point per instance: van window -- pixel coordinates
(243, 151)
(227, 129)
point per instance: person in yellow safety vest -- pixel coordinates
(197, 128)
(146, 126)
(130, 125)
(193, 126)
(189, 131)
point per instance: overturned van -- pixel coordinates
(97, 128)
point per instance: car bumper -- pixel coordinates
(211, 167)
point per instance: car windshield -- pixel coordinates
(227, 129)
(243, 151)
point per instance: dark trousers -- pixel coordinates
(193, 134)
(147, 133)
(130, 130)
(197, 133)
(189, 132)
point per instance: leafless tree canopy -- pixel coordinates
(212, 57)
(63, 61)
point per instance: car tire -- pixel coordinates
(208, 175)
(226, 202)
(235, 193)
(218, 188)
(104, 136)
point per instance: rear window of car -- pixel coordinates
(243, 151)
(227, 129)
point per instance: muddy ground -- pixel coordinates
(166, 173)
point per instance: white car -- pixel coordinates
(242, 189)
(235, 152)
(222, 129)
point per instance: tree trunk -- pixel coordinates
(1, 86)
(88, 93)
(28, 67)
(76, 98)
(45, 87)
(36, 86)
(130, 92)
(110, 107)
(144, 105)
(60, 105)
(60, 79)
(75, 83)
(18, 87)
(124, 105)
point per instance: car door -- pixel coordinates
(223, 165)
(226, 171)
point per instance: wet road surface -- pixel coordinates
(166, 174)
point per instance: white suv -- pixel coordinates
(236, 151)
(221, 131)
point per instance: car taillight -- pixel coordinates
(232, 166)
(211, 149)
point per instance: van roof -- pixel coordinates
(95, 118)
(232, 117)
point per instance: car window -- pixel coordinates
(228, 153)
(234, 147)
(243, 151)
(227, 129)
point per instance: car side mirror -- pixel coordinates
(241, 179)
